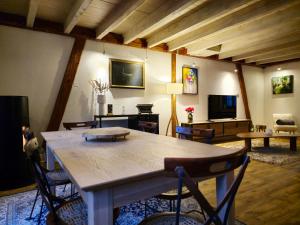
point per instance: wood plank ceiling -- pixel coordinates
(254, 32)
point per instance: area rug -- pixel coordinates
(15, 209)
(278, 153)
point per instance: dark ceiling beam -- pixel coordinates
(280, 63)
(243, 90)
(45, 26)
(113, 38)
(66, 85)
(183, 51)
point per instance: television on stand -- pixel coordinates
(221, 107)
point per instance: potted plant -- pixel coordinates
(100, 88)
(190, 111)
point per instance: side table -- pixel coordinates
(259, 128)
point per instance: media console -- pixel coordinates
(224, 129)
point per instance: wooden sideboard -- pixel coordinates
(133, 119)
(224, 129)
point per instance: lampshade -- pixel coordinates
(174, 88)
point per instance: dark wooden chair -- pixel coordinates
(53, 178)
(150, 127)
(66, 212)
(188, 168)
(204, 135)
(197, 134)
(61, 211)
(85, 124)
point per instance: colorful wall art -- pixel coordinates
(190, 80)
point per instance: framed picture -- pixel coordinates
(190, 80)
(283, 84)
(126, 74)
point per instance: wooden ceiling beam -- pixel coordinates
(208, 12)
(183, 51)
(113, 38)
(41, 25)
(250, 19)
(276, 53)
(118, 15)
(279, 59)
(32, 11)
(269, 50)
(167, 12)
(7, 19)
(74, 15)
(244, 45)
(206, 53)
(261, 29)
(281, 62)
(210, 51)
(163, 47)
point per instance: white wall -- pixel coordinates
(282, 103)
(33, 64)
(254, 80)
(94, 65)
(213, 78)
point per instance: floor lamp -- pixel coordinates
(173, 89)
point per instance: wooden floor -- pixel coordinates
(269, 194)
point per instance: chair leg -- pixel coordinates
(65, 188)
(145, 213)
(35, 199)
(170, 202)
(41, 211)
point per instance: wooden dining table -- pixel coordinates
(110, 174)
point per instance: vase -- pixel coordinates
(190, 117)
(101, 101)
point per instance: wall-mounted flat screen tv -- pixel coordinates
(221, 106)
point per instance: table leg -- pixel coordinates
(293, 144)
(223, 183)
(248, 144)
(267, 142)
(100, 207)
(50, 159)
(50, 165)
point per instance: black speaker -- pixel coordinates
(14, 166)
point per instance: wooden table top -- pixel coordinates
(96, 165)
(264, 135)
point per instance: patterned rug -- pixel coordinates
(15, 209)
(278, 153)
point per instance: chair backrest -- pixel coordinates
(199, 134)
(187, 168)
(85, 124)
(43, 185)
(150, 127)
